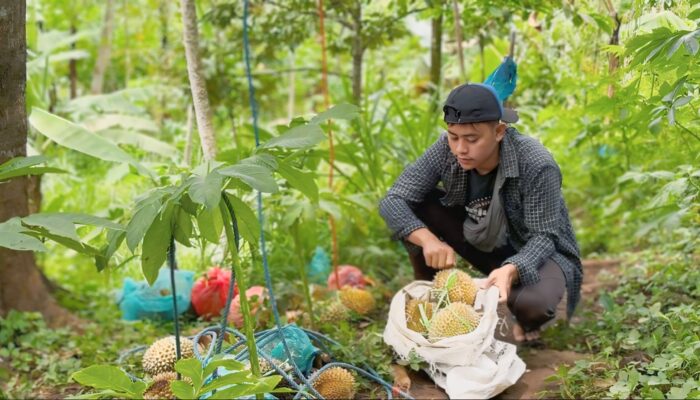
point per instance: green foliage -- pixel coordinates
(111, 380)
(239, 382)
(644, 333)
(20, 166)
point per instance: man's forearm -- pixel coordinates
(421, 236)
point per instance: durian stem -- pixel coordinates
(304, 273)
(172, 265)
(227, 214)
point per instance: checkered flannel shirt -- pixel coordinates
(538, 220)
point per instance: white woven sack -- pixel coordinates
(474, 365)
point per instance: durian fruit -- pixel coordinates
(333, 313)
(462, 290)
(161, 356)
(335, 383)
(160, 387)
(455, 319)
(413, 315)
(358, 300)
(263, 365)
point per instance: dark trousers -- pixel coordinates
(531, 305)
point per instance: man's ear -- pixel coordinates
(500, 130)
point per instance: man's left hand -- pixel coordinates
(503, 279)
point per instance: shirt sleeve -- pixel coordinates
(411, 187)
(541, 203)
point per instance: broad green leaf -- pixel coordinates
(56, 224)
(140, 222)
(340, 111)
(114, 240)
(257, 177)
(264, 160)
(228, 363)
(235, 378)
(77, 138)
(11, 237)
(140, 140)
(20, 166)
(210, 224)
(206, 189)
(188, 205)
(183, 227)
(156, 243)
(240, 390)
(106, 121)
(297, 137)
(191, 368)
(98, 395)
(305, 182)
(182, 390)
(106, 377)
(247, 220)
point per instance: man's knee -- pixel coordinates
(531, 309)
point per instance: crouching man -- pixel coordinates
(500, 207)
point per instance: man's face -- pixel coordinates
(476, 145)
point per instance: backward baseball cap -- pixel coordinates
(476, 102)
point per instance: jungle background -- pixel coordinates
(610, 87)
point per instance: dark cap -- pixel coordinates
(476, 102)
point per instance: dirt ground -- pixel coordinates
(541, 363)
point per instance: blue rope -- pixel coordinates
(261, 221)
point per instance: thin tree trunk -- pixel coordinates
(200, 97)
(436, 57)
(188, 141)
(127, 53)
(292, 87)
(459, 39)
(358, 51)
(21, 284)
(72, 67)
(98, 74)
(483, 59)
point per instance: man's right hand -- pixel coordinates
(438, 254)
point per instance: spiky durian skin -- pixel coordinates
(333, 313)
(358, 300)
(161, 356)
(413, 317)
(160, 387)
(455, 319)
(335, 383)
(464, 289)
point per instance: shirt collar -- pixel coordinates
(509, 157)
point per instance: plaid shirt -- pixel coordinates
(538, 220)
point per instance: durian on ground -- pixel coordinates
(335, 383)
(359, 300)
(161, 355)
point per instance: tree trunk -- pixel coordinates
(98, 74)
(358, 51)
(200, 97)
(73, 68)
(291, 95)
(436, 57)
(188, 140)
(21, 284)
(459, 39)
(127, 53)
